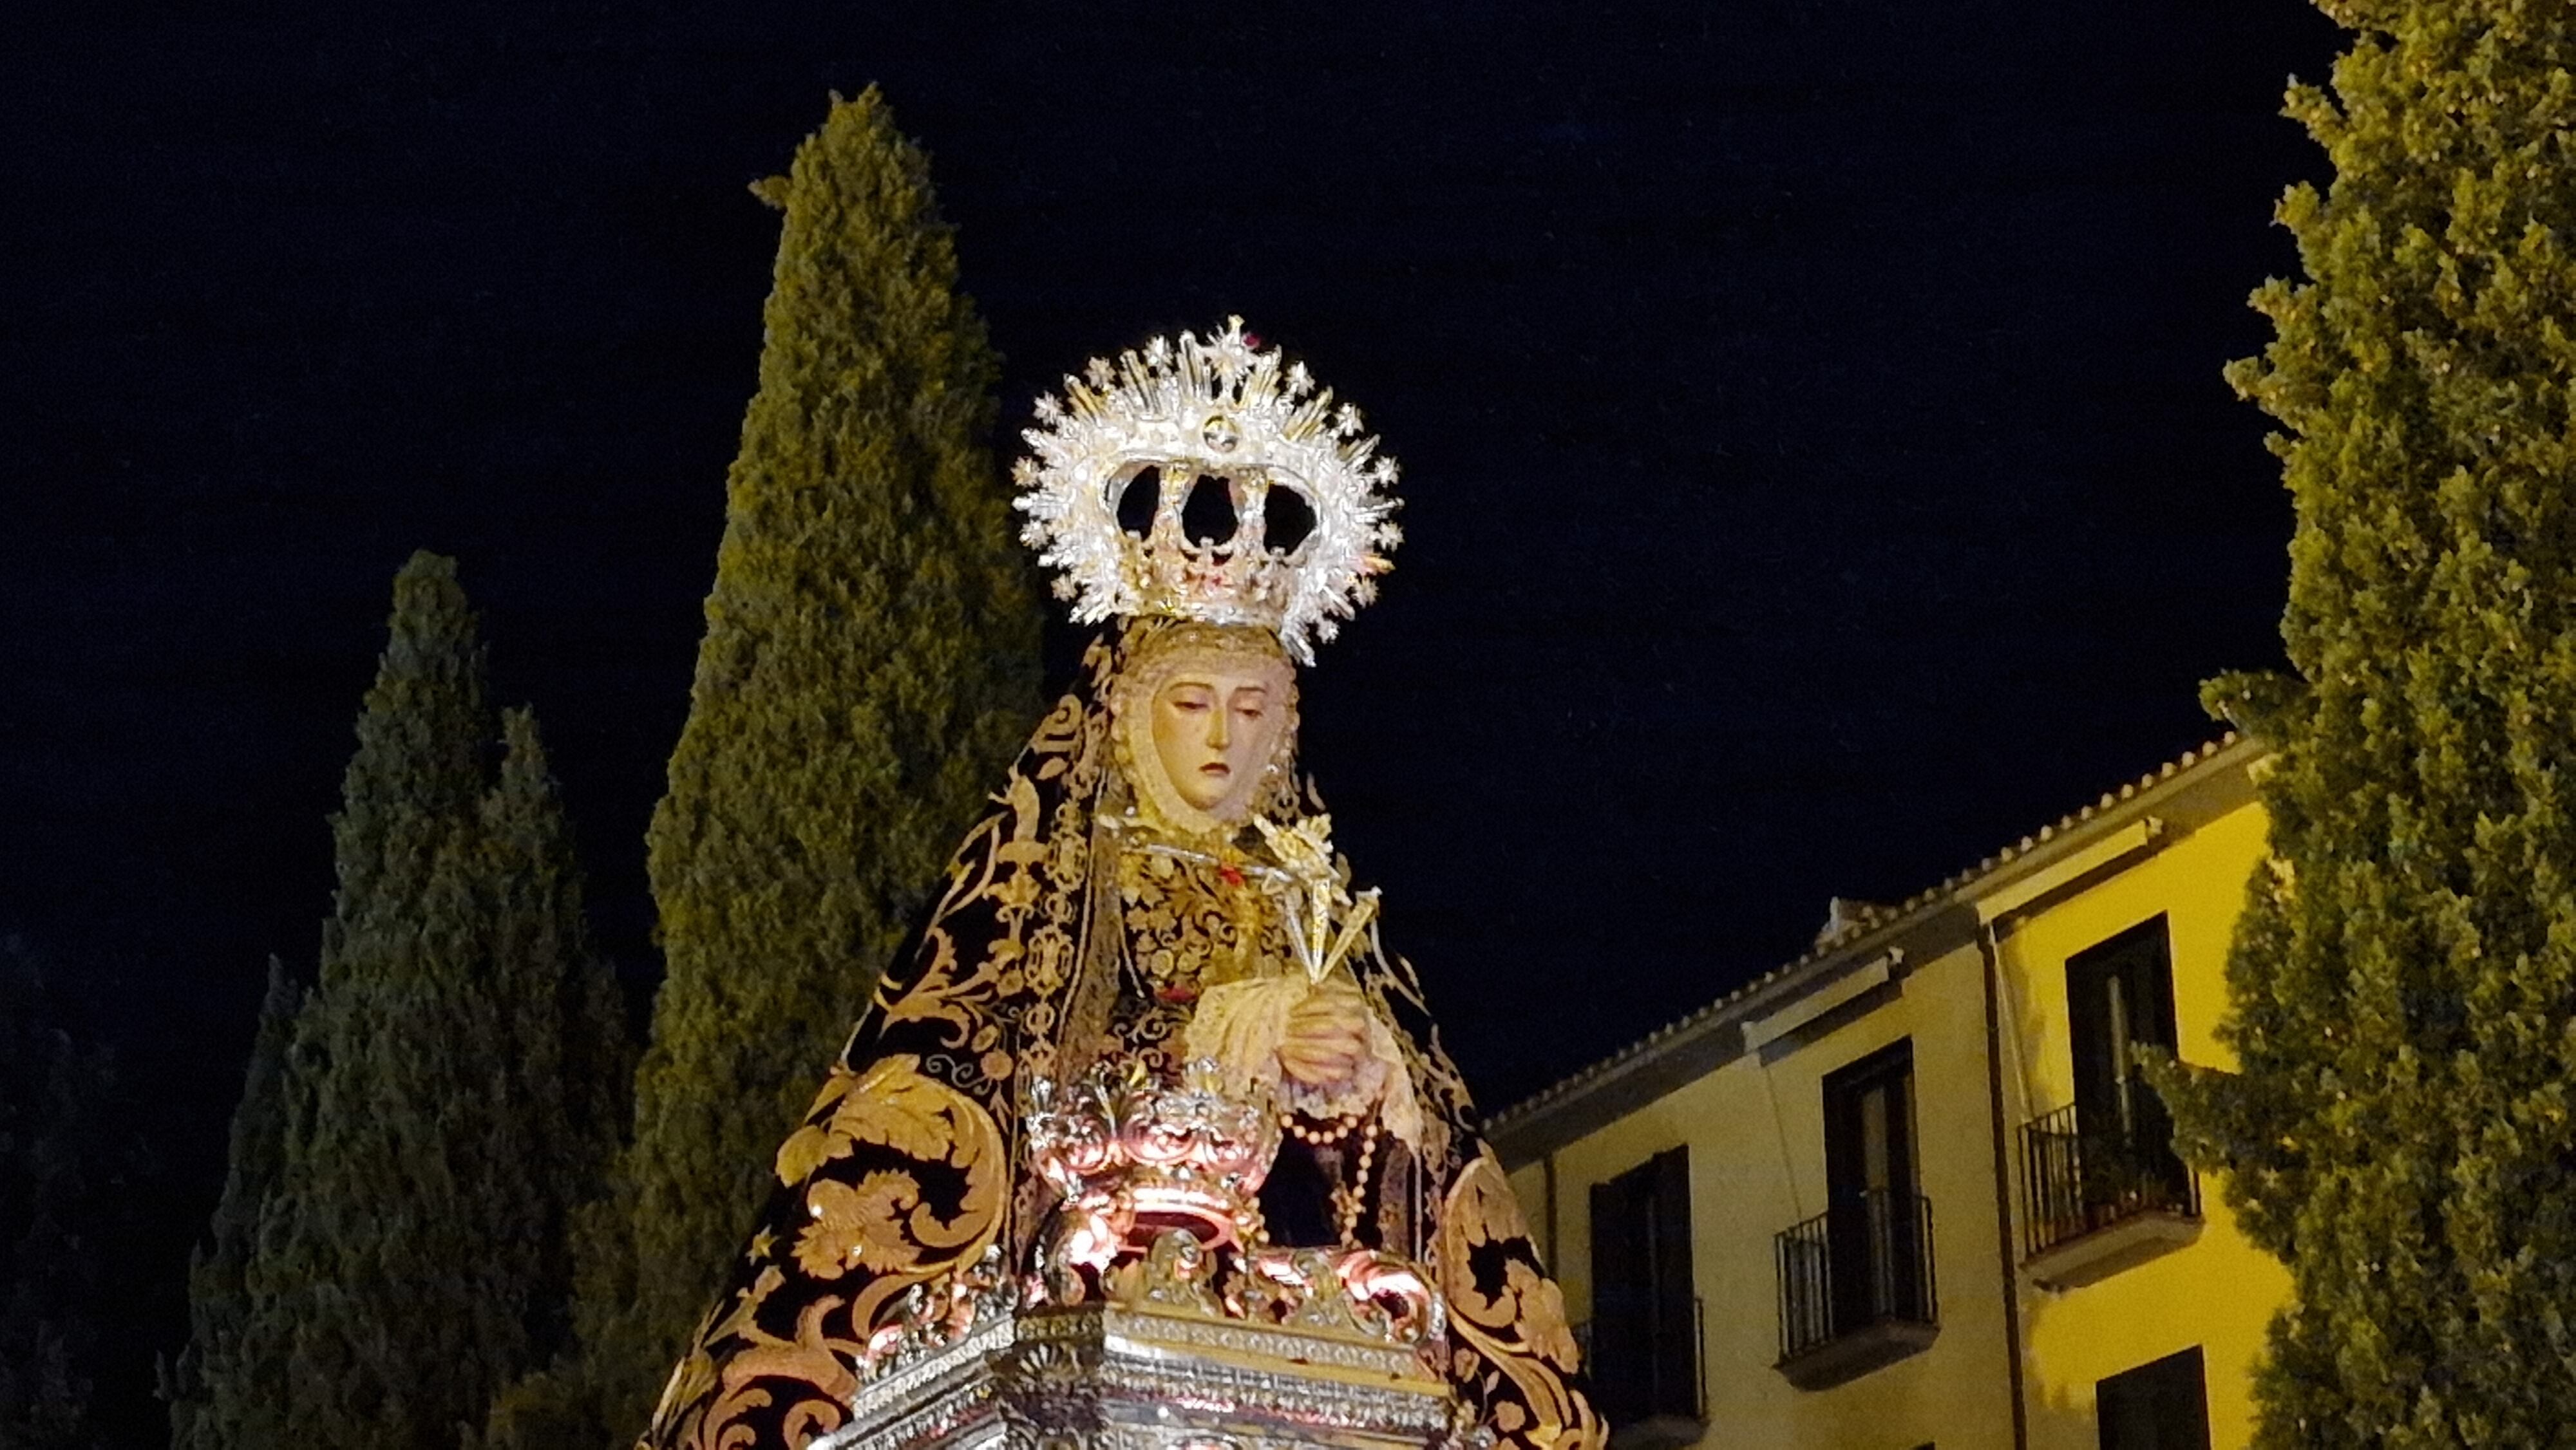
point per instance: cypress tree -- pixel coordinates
(868, 664)
(560, 1069)
(447, 1089)
(350, 1285)
(205, 1389)
(2403, 983)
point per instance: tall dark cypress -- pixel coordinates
(351, 1286)
(450, 1086)
(2403, 1129)
(869, 662)
(561, 1064)
(209, 1408)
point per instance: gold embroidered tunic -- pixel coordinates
(1192, 922)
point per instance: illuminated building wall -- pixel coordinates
(1904, 1191)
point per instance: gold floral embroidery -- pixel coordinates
(702, 1408)
(891, 1103)
(1518, 1325)
(941, 994)
(814, 1359)
(884, 1223)
(1190, 926)
(865, 1224)
(1543, 1320)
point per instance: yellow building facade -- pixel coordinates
(1910, 1189)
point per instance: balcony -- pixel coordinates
(1646, 1380)
(1856, 1289)
(2097, 1202)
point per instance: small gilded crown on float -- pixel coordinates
(1208, 479)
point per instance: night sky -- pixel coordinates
(1817, 467)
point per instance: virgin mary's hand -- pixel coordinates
(1327, 1036)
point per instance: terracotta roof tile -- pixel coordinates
(1867, 919)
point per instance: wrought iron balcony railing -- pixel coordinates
(1864, 1262)
(1653, 1392)
(2077, 1178)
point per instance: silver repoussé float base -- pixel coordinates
(1106, 1377)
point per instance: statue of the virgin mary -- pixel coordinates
(1148, 1025)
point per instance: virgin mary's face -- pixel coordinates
(1214, 730)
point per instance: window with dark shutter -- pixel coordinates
(1873, 1217)
(2162, 1405)
(1645, 1364)
(1856, 1282)
(2120, 995)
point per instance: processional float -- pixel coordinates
(1147, 1143)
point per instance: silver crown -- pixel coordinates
(1221, 419)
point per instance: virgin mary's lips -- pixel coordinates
(1216, 767)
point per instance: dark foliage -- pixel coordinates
(392, 1246)
(2404, 979)
(869, 662)
(67, 1166)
